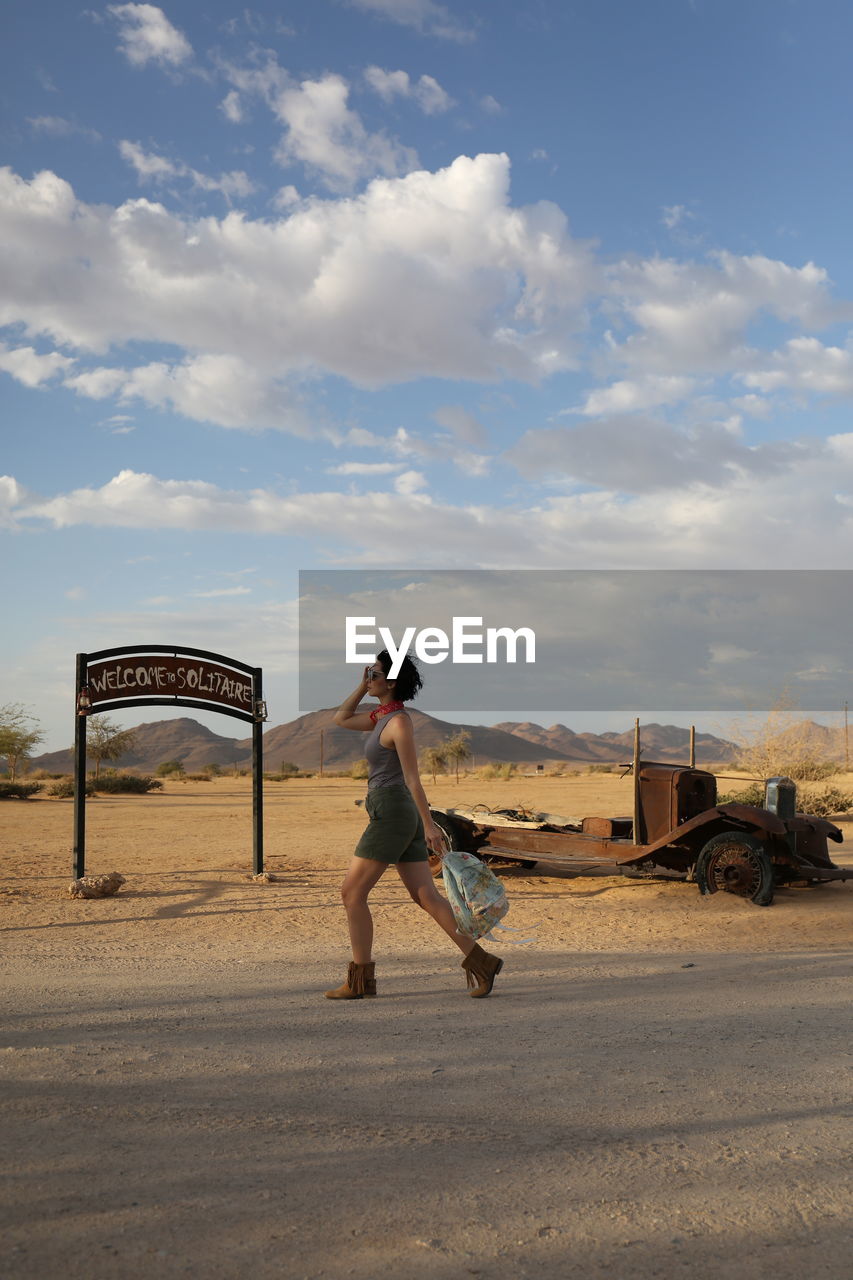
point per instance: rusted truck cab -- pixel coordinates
(671, 795)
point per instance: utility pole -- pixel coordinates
(846, 740)
(322, 731)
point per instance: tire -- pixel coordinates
(736, 862)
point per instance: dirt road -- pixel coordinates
(659, 1086)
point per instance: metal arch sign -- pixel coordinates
(166, 675)
(171, 676)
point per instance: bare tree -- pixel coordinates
(434, 759)
(456, 749)
(17, 739)
(107, 741)
(787, 744)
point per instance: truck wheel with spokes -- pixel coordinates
(736, 862)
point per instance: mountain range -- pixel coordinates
(299, 742)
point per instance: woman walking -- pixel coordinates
(400, 833)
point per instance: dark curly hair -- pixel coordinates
(408, 682)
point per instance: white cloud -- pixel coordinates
(423, 15)
(321, 130)
(427, 92)
(364, 469)
(151, 167)
(286, 198)
(752, 405)
(208, 388)
(692, 317)
(147, 35)
(805, 364)
(98, 383)
(30, 368)
(673, 215)
(644, 455)
(235, 184)
(222, 591)
(231, 107)
(409, 482)
(632, 395)
(430, 96)
(389, 84)
(465, 426)
(408, 444)
(799, 515)
(720, 653)
(46, 80)
(264, 78)
(13, 498)
(323, 133)
(147, 163)
(490, 105)
(59, 127)
(501, 290)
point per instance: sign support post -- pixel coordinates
(260, 712)
(80, 709)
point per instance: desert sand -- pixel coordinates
(659, 1085)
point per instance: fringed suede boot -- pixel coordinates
(481, 969)
(360, 982)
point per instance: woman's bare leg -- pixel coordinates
(417, 878)
(363, 874)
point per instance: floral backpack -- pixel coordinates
(475, 893)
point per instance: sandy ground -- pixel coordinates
(660, 1085)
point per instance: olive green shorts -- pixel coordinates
(395, 832)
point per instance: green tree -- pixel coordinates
(456, 749)
(19, 733)
(168, 767)
(107, 741)
(433, 759)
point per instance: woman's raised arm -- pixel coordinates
(345, 715)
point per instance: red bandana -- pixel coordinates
(385, 710)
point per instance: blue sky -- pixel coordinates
(401, 283)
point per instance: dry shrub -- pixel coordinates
(494, 771)
(63, 788)
(753, 794)
(785, 746)
(126, 784)
(19, 790)
(826, 803)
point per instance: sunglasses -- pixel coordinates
(375, 673)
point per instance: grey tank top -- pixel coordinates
(384, 769)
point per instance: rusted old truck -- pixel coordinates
(677, 828)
